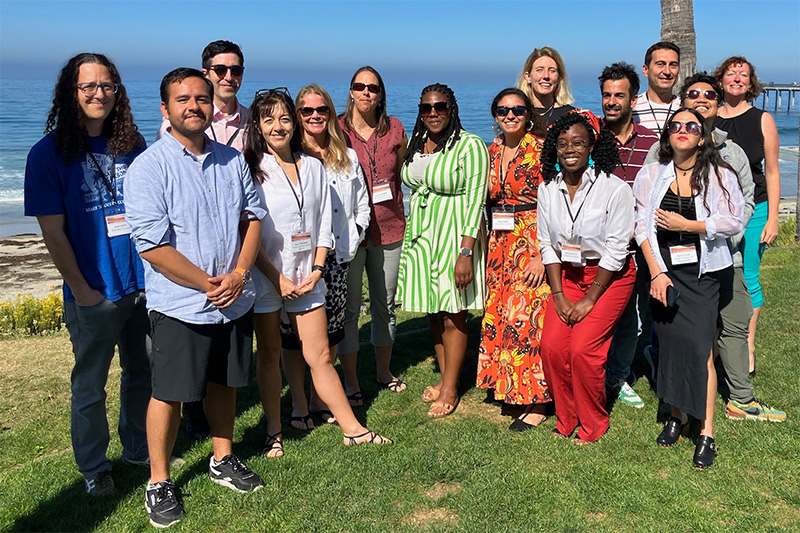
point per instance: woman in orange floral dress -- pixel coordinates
(508, 359)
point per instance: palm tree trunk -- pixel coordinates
(677, 26)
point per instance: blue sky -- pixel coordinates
(465, 41)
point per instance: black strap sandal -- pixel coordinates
(374, 438)
(326, 416)
(393, 385)
(273, 443)
(302, 420)
(356, 399)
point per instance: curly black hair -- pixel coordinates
(604, 148)
(65, 118)
(707, 155)
(453, 130)
(701, 77)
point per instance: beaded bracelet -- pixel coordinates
(604, 287)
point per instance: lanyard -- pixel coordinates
(630, 155)
(653, 112)
(230, 139)
(300, 200)
(580, 208)
(371, 156)
(680, 205)
(109, 183)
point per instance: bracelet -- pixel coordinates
(556, 292)
(318, 268)
(604, 287)
(654, 277)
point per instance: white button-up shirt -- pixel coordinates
(350, 206)
(723, 218)
(604, 223)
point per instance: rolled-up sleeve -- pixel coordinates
(619, 228)
(476, 169)
(727, 218)
(145, 205)
(549, 255)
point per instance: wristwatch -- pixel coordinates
(466, 252)
(246, 275)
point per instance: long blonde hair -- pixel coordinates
(336, 157)
(562, 94)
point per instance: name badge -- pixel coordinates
(301, 242)
(117, 225)
(381, 192)
(683, 254)
(571, 252)
(502, 219)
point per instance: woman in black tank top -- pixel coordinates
(755, 131)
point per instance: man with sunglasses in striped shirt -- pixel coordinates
(223, 65)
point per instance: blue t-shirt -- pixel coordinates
(84, 194)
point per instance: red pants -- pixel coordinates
(574, 357)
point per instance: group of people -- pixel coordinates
(572, 233)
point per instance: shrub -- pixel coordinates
(27, 315)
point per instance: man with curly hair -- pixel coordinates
(74, 186)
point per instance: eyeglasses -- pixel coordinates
(90, 88)
(692, 127)
(270, 92)
(518, 110)
(579, 145)
(694, 94)
(359, 87)
(308, 111)
(438, 107)
(222, 70)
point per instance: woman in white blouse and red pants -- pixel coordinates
(586, 218)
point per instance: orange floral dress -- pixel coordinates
(508, 359)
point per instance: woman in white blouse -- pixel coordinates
(322, 138)
(687, 204)
(585, 223)
(295, 239)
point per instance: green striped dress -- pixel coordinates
(446, 204)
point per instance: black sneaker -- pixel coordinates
(100, 484)
(162, 504)
(231, 472)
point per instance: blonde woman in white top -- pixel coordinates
(295, 239)
(322, 138)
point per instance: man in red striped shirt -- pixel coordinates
(619, 84)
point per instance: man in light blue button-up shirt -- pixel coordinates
(196, 221)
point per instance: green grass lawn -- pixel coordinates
(463, 473)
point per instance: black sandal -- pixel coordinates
(325, 415)
(353, 441)
(356, 399)
(302, 420)
(269, 445)
(393, 385)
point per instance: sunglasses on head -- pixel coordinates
(439, 107)
(692, 127)
(502, 110)
(359, 87)
(694, 94)
(308, 111)
(270, 92)
(222, 70)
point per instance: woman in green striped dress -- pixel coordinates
(442, 268)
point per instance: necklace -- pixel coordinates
(684, 170)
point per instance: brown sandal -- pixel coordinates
(430, 395)
(447, 409)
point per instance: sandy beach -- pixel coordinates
(27, 269)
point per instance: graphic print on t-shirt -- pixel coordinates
(96, 184)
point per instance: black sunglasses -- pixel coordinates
(502, 110)
(439, 107)
(222, 70)
(270, 92)
(373, 88)
(692, 127)
(694, 94)
(308, 111)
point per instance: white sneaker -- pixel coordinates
(628, 396)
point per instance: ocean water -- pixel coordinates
(24, 105)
